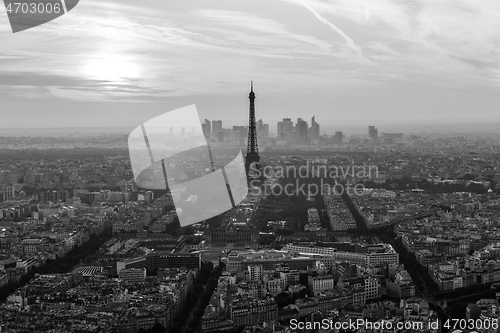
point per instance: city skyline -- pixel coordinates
(434, 62)
(231, 166)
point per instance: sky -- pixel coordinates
(362, 62)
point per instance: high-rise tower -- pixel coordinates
(252, 148)
(314, 130)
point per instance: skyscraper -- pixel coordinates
(302, 131)
(259, 125)
(208, 127)
(239, 134)
(339, 137)
(288, 127)
(280, 128)
(263, 133)
(372, 132)
(216, 127)
(314, 130)
(252, 147)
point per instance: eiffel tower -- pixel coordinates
(252, 160)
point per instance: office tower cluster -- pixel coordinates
(213, 130)
(216, 133)
(301, 133)
(290, 133)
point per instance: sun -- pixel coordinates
(114, 68)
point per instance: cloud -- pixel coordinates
(46, 86)
(479, 64)
(418, 37)
(254, 23)
(172, 49)
(461, 26)
(347, 39)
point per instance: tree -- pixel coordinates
(157, 328)
(457, 310)
(194, 324)
(188, 231)
(303, 293)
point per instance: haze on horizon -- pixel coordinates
(348, 62)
